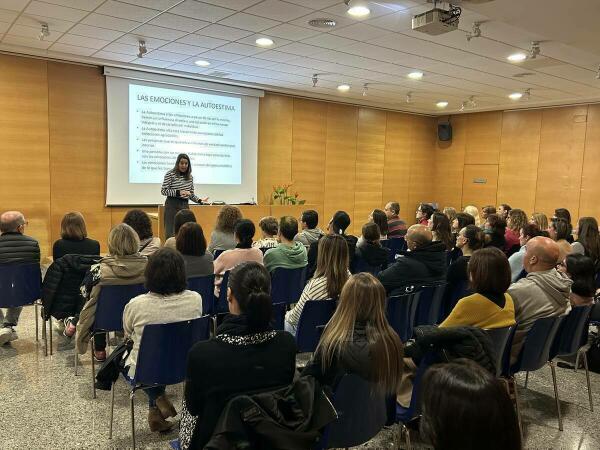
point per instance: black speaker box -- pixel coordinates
(444, 131)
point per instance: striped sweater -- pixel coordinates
(315, 289)
(174, 182)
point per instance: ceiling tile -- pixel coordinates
(315, 4)
(55, 11)
(152, 62)
(113, 23)
(298, 48)
(201, 11)
(256, 62)
(82, 41)
(292, 32)
(117, 47)
(176, 22)
(202, 41)
(399, 21)
(167, 34)
(278, 10)
(110, 56)
(95, 32)
(26, 42)
(217, 55)
(127, 11)
(185, 68)
(133, 39)
(166, 56)
(327, 40)
(7, 15)
(154, 4)
(184, 49)
(361, 31)
(249, 22)
(86, 5)
(275, 56)
(241, 49)
(53, 24)
(14, 5)
(4, 26)
(237, 5)
(72, 49)
(31, 33)
(222, 32)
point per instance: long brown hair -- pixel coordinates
(518, 219)
(363, 301)
(332, 263)
(442, 230)
(587, 235)
(72, 226)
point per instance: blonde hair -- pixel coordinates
(363, 301)
(123, 241)
(473, 211)
(72, 226)
(332, 263)
(518, 219)
(541, 220)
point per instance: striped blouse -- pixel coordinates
(174, 183)
(315, 289)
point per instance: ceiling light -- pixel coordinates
(515, 96)
(343, 88)
(202, 63)
(358, 10)
(442, 104)
(264, 42)
(142, 50)
(416, 75)
(517, 57)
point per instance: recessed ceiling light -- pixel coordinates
(416, 75)
(517, 57)
(202, 63)
(442, 104)
(515, 96)
(264, 42)
(359, 11)
(343, 88)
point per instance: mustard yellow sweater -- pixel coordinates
(478, 311)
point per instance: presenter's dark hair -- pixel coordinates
(250, 284)
(140, 222)
(311, 218)
(244, 232)
(190, 239)
(288, 227)
(183, 216)
(165, 272)
(188, 172)
(380, 219)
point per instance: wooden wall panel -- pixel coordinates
(589, 202)
(562, 141)
(480, 194)
(370, 154)
(24, 174)
(422, 165)
(483, 137)
(447, 179)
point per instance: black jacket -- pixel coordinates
(84, 246)
(373, 254)
(234, 362)
(16, 247)
(313, 252)
(61, 296)
(424, 265)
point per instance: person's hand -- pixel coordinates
(184, 194)
(204, 200)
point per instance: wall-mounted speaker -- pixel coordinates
(445, 131)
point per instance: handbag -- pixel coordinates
(113, 366)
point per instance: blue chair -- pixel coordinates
(452, 294)
(502, 340)
(400, 312)
(278, 315)
(287, 284)
(314, 313)
(162, 358)
(430, 311)
(360, 265)
(216, 253)
(21, 285)
(522, 274)
(110, 305)
(571, 339)
(205, 286)
(361, 413)
(396, 246)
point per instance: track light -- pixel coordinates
(44, 33)
(315, 79)
(527, 94)
(534, 50)
(365, 89)
(142, 50)
(409, 97)
(475, 33)
(469, 103)
(598, 73)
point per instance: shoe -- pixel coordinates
(100, 355)
(5, 335)
(70, 329)
(165, 407)
(156, 420)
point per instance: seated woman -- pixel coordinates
(465, 407)
(222, 238)
(559, 232)
(541, 220)
(123, 265)
(515, 260)
(358, 339)
(516, 220)
(369, 248)
(191, 243)
(245, 355)
(329, 279)
(244, 232)
(182, 216)
(441, 230)
(379, 217)
(450, 213)
(490, 306)
(473, 211)
(269, 228)
(588, 240)
(494, 230)
(140, 222)
(469, 239)
(167, 301)
(581, 270)
(73, 238)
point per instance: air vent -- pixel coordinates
(218, 74)
(322, 23)
(523, 74)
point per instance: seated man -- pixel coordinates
(543, 293)
(310, 232)
(14, 247)
(423, 263)
(396, 227)
(289, 254)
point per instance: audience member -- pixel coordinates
(494, 230)
(543, 293)
(489, 306)
(243, 233)
(73, 238)
(440, 229)
(486, 211)
(269, 229)
(396, 226)
(450, 213)
(182, 216)
(527, 232)
(191, 243)
(588, 240)
(329, 279)
(380, 218)
(517, 219)
(558, 230)
(581, 270)
(289, 254)
(541, 220)
(141, 224)
(461, 221)
(465, 407)
(424, 212)
(167, 301)
(123, 265)
(563, 213)
(246, 355)
(503, 210)
(469, 239)
(310, 231)
(473, 211)
(369, 247)
(15, 247)
(223, 237)
(424, 262)
(358, 339)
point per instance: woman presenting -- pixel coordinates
(178, 187)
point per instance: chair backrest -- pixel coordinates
(360, 265)
(429, 311)
(205, 286)
(499, 338)
(278, 315)
(20, 284)
(111, 304)
(536, 349)
(361, 413)
(396, 245)
(287, 284)
(569, 337)
(522, 274)
(221, 305)
(216, 253)
(314, 313)
(452, 295)
(400, 312)
(164, 348)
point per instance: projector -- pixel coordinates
(436, 21)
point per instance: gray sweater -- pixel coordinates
(221, 241)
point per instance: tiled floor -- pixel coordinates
(43, 406)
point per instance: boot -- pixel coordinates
(165, 407)
(156, 421)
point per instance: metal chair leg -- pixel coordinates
(45, 338)
(577, 360)
(526, 379)
(93, 368)
(76, 359)
(37, 331)
(513, 383)
(132, 420)
(587, 376)
(112, 409)
(552, 367)
(407, 437)
(50, 333)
